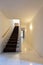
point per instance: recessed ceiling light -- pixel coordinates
(16, 20)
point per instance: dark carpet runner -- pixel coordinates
(12, 42)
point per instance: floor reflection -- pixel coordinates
(13, 59)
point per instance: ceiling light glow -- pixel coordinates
(31, 26)
(16, 21)
(25, 49)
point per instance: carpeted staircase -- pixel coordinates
(12, 42)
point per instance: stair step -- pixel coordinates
(11, 46)
(10, 50)
(13, 39)
(13, 36)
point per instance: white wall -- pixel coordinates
(38, 32)
(34, 37)
(4, 25)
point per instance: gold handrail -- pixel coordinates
(5, 32)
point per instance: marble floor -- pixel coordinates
(27, 56)
(14, 59)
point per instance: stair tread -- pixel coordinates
(10, 50)
(11, 46)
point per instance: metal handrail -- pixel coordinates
(5, 33)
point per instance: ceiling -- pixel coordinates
(22, 9)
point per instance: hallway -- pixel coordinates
(28, 15)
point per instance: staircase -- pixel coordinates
(12, 42)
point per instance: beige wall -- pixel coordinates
(4, 25)
(38, 32)
(34, 37)
(28, 32)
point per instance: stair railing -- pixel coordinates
(5, 32)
